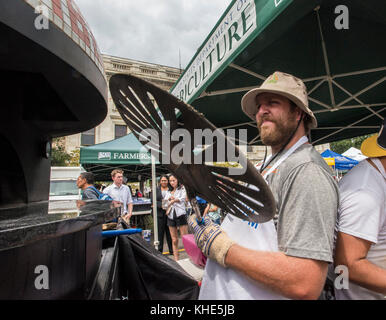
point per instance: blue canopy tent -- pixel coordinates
(341, 162)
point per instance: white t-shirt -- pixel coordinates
(362, 214)
(220, 283)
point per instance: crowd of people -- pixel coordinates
(320, 225)
(173, 206)
(117, 191)
(173, 210)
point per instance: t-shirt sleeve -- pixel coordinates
(360, 213)
(307, 217)
(89, 194)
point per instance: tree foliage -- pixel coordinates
(75, 157)
(343, 145)
(61, 158)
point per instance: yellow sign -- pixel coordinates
(330, 161)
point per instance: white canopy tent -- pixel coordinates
(354, 153)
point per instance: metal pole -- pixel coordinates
(154, 201)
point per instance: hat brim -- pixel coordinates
(248, 103)
(371, 149)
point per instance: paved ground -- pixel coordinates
(181, 250)
(184, 260)
(146, 222)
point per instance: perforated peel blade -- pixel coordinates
(153, 115)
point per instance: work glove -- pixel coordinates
(210, 238)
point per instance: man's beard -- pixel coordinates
(279, 135)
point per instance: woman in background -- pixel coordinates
(176, 212)
(163, 229)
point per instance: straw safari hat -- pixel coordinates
(283, 84)
(375, 146)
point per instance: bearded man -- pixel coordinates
(288, 259)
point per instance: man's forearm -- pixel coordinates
(368, 275)
(130, 209)
(351, 252)
(293, 277)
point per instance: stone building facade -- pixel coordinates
(113, 126)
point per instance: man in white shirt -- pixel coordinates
(361, 226)
(121, 193)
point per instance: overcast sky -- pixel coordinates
(152, 30)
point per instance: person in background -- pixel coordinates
(213, 213)
(203, 205)
(138, 193)
(163, 229)
(188, 206)
(176, 212)
(361, 226)
(120, 192)
(131, 190)
(85, 182)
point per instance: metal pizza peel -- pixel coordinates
(154, 115)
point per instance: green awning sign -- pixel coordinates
(125, 150)
(234, 31)
(343, 69)
(123, 156)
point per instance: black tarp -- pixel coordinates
(146, 274)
